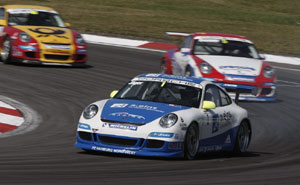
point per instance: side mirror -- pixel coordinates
(185, 51)
(3, 23)
(113, 93)
(262, 56)
(208, 105)
(68, 25)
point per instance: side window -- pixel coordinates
(187, 42)
(212, 94)
(2, 13)
(225, 99)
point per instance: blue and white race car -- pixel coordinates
(165, 115)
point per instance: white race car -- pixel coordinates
(165, 115)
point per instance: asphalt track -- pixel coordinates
(46, 155)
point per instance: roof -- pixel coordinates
(26, 7)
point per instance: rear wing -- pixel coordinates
(177, 34)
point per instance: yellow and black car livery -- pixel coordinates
(37, 35)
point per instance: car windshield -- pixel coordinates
(35, 18)
(161, 92)
(225, 48)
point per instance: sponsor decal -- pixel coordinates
(161, 134)
(145, 107)
(153, 75)
(119, 105)
(84, 126)
(81, 51)
(241, 79)
(48, 46)
(28, 11)
(46, 32)
(221, 121)
(120, 126)
(126, 114)
(32, 48)
(173, 81)
(210, 148)
(120, 151)
(237, 68)
(228, 140)
(219, 38)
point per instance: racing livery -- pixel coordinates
(37, 35)
(229, 60)
(165, 115)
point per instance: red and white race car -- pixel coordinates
(229, 60)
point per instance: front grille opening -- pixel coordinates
(151, 143)
(30, 54)
(85, 136)
(266, 91)
(117, 141)
(245, 91)
(80, 57)
(56, 57)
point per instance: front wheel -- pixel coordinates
(191, 142)
(6, 51)
(242, 138)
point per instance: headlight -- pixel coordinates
(24, 37)
(90, 111)
(79, 40)
(168, 120)
(205, 68)
(268, 72)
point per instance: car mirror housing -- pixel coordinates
(68, 25)
(262, 56)
(3, 23)
(185, 51)
(113, 93)
(208, 105)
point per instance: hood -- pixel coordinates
(53, 35)
(233, 65)
(134, 111)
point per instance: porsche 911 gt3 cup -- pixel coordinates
(165, 115)
(38, 35)
(232, 61)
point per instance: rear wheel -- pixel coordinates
(6, 51)
(191, 143)
(242, 138)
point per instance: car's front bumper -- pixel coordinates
(34, 55)
(128, 145)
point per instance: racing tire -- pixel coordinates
(188, 72)
(163, 67)
(243, 138)
(6, 51)
(191, 142)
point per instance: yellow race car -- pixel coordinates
(38, 35)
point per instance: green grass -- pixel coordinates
(274, 25)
